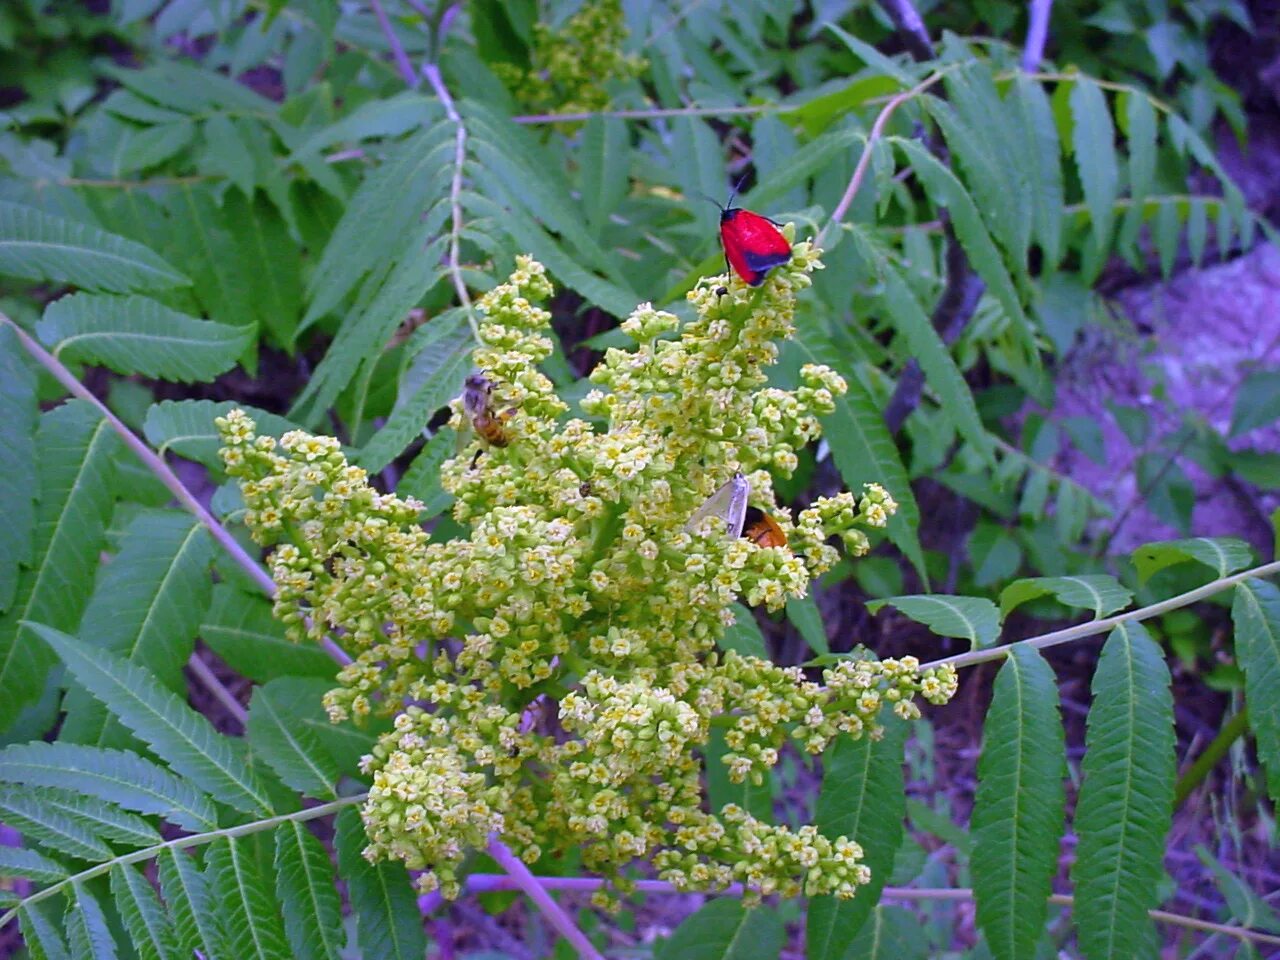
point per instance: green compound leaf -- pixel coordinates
(1098, 592)
(116, 776)
(251, 925)
(1256, 615)
(163, 720)
(725, 930)
(138, 335)
(308, 895)
(1126, 798)
(862, 798)
(975, 619)
(1018, 813)
(1222, 555)
(388, 924)
(77, 453)
(38, 246)
(150, 928)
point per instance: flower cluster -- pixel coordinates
(572, 64)
(554, 671)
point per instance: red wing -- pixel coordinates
(753, 245)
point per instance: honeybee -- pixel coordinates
(730, 504)
(477, 404)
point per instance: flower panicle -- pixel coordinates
(554, 670)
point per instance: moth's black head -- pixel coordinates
(728, 213)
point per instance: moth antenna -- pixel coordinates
(734, 192)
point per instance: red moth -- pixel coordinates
(752, 244)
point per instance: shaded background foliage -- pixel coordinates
(1051, 298)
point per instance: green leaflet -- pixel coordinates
(1126, 797)
(41, 930)
(186, 427)
(434, 377)
(1042, 157)
(380, 214)
(743, 635)
(975, 619)
(88, 932)
(604, 170)
(186, 892)
(264, 240)
(37, 246)
(725, 930)
(116, 776)
(1255, 612)
(150, 928)
(924, 343)
(51, 827)
(862, 798)
(388, 924)
(1093, 146)
(1223, 555)
(34, 866)
(364, 332)
(892, 934)
(176, 733)
(77, 452)
(146, 607)
(136, 334)
(1018, 813)
(1099, 592)
(288, 747)
(308, 894)
(247, 914)
(948, 192)
(864, 452)
(756, 799)
(18, 480)
(242, 631)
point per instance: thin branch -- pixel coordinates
(218, 689)
(181, 843)
(1095, 627)
(488, 882)
(906, 20)
(864, 161)
(155, 463)
(432, 72)
(1037, 34)
(655, 113)
(403, 63)
(522, 879)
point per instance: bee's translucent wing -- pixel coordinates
(729, 503)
